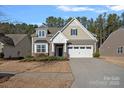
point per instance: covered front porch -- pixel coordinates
(59, 49)
(59, 45)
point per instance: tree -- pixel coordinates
(100, 26)
(54, 21)
(113, 23)
(67, 20)
(122, 17)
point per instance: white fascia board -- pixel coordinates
(62, 28)
(85, 30)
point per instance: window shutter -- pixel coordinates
(71, 31)
(76, 32)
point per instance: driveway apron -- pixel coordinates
(96, 73)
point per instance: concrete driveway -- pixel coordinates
(91, 72)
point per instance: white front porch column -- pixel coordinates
(52, 47)
(65, 47)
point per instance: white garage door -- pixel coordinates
(78, 51)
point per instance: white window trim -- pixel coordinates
(35, 47)
(118, 49)
(41, 33)
(74, 29)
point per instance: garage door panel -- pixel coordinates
(76, 51)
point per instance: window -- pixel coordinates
(41, 33)
(40, 48)
(73, 32)
(76, 47)
(88, 47)
(82, 47)
(43, 48)
(120, 50)
(69, 47)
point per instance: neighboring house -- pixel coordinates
(114, 44)
(73, 41)
(15, 45)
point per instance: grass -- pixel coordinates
(17, 66)
(36, 83)
(115, 60)
(34, 67)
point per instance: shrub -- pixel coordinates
(14, 58)
(96, 54)
(41, 55)
(42, 59)
(29, 57)
(1, 55)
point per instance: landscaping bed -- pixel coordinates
(43, 59)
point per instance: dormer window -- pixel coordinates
(74, 32)
(41, 34)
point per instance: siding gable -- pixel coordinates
(81, 34)
(60, 38)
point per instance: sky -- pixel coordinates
(34, 14)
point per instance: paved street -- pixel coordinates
(91, 72)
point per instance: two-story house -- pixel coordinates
(73, 41)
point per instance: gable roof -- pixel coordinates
(6, 40)
(80, 42)
(51, 31)
(41, 41)
(115, 37)
(16, 37)
(84, 29)
(54, 30)
(112, 43)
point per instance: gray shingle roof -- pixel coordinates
(6, 40)
(16, 37)
(41, 41)
(51, 31)
(112, 43)
(80, 42)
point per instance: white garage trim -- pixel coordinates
(80, 51)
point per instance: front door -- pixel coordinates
(59, 51)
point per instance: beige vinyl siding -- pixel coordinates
(23, 46)
(80, 34)
(112, 43)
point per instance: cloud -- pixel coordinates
(79, 9)
(37, 23)
(116, 7)
(74, 8)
